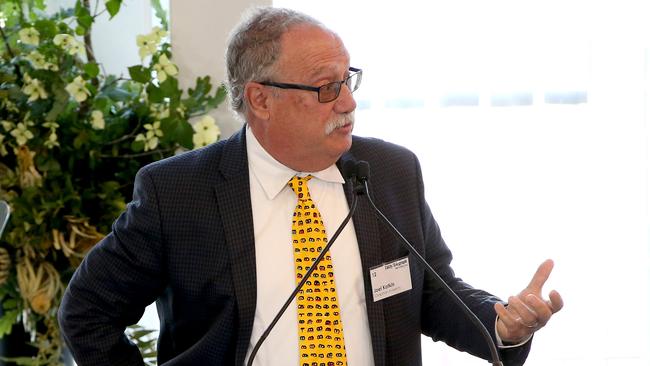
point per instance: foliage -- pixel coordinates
(146, 340)
(71, 141)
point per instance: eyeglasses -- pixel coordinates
(327, 92)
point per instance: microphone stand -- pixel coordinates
(466, 310)
(302, 282)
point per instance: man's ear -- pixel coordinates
(259, 99)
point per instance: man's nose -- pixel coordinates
(345, 103)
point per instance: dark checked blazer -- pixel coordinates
(186, 241)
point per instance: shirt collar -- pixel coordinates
(273, 175)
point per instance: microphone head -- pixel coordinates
(363, 170)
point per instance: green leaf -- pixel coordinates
(7, 321)
(113, 7)
(140, 74)
(39, 4)
(60, 102)
(80, 140)
(91, 69)
(91, 88)
(101, 103)
(118, 93)
(202, 88)
(10, 304)
(219, 96)
(137, 146)
(177, 130)
(160, 13)
(85, 21)
(155, 94)
(47, 28)
(183, 135)
(170, 87)
(199, 99)
(50, 166)
(82, 13)
(80, 31)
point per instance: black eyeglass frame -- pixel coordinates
(354, 71)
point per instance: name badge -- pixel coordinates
(390, 279)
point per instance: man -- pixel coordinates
(216, 237)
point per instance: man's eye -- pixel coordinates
(329, 87)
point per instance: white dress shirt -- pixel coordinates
(273, 204)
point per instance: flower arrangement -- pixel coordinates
(71, 141)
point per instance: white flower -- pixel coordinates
(70, 44)
(33, 88)
(52, 140)
(206, 132)
(29, 36)
(148, 45)
(164, 67)
(77, 48)
(37, 60)
(52, 67)
(150, 141)
(64, 40)
(158, 33)
(51, 125)
(154, 128)
(7, 125)
(97, 120)
(77, 89)
(22, 134)
(150, 138)
(159, 111)
(9, 105)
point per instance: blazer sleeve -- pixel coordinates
(442, 319)
(114, 283)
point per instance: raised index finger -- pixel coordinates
(540, 277)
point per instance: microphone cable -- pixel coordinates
(363, 170)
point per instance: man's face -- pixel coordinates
(299, 130)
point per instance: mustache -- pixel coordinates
(338, 121)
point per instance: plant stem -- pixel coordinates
(11, 52)
(87, 37)
(125, 137)
(6, 41)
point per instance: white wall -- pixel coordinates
(199, 30)
(114, 40)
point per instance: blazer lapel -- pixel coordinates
(233, 198)
(367, 230)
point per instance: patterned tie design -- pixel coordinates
(320, 330)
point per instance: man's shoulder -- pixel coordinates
(207, 160)
(379, 151)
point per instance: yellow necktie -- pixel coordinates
(320, 330)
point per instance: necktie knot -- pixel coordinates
(299, 186)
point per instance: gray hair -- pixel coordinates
(254, 46)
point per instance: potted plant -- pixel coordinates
(71, 140)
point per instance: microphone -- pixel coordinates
(349, 173)
(357, 172)
(363, 169)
